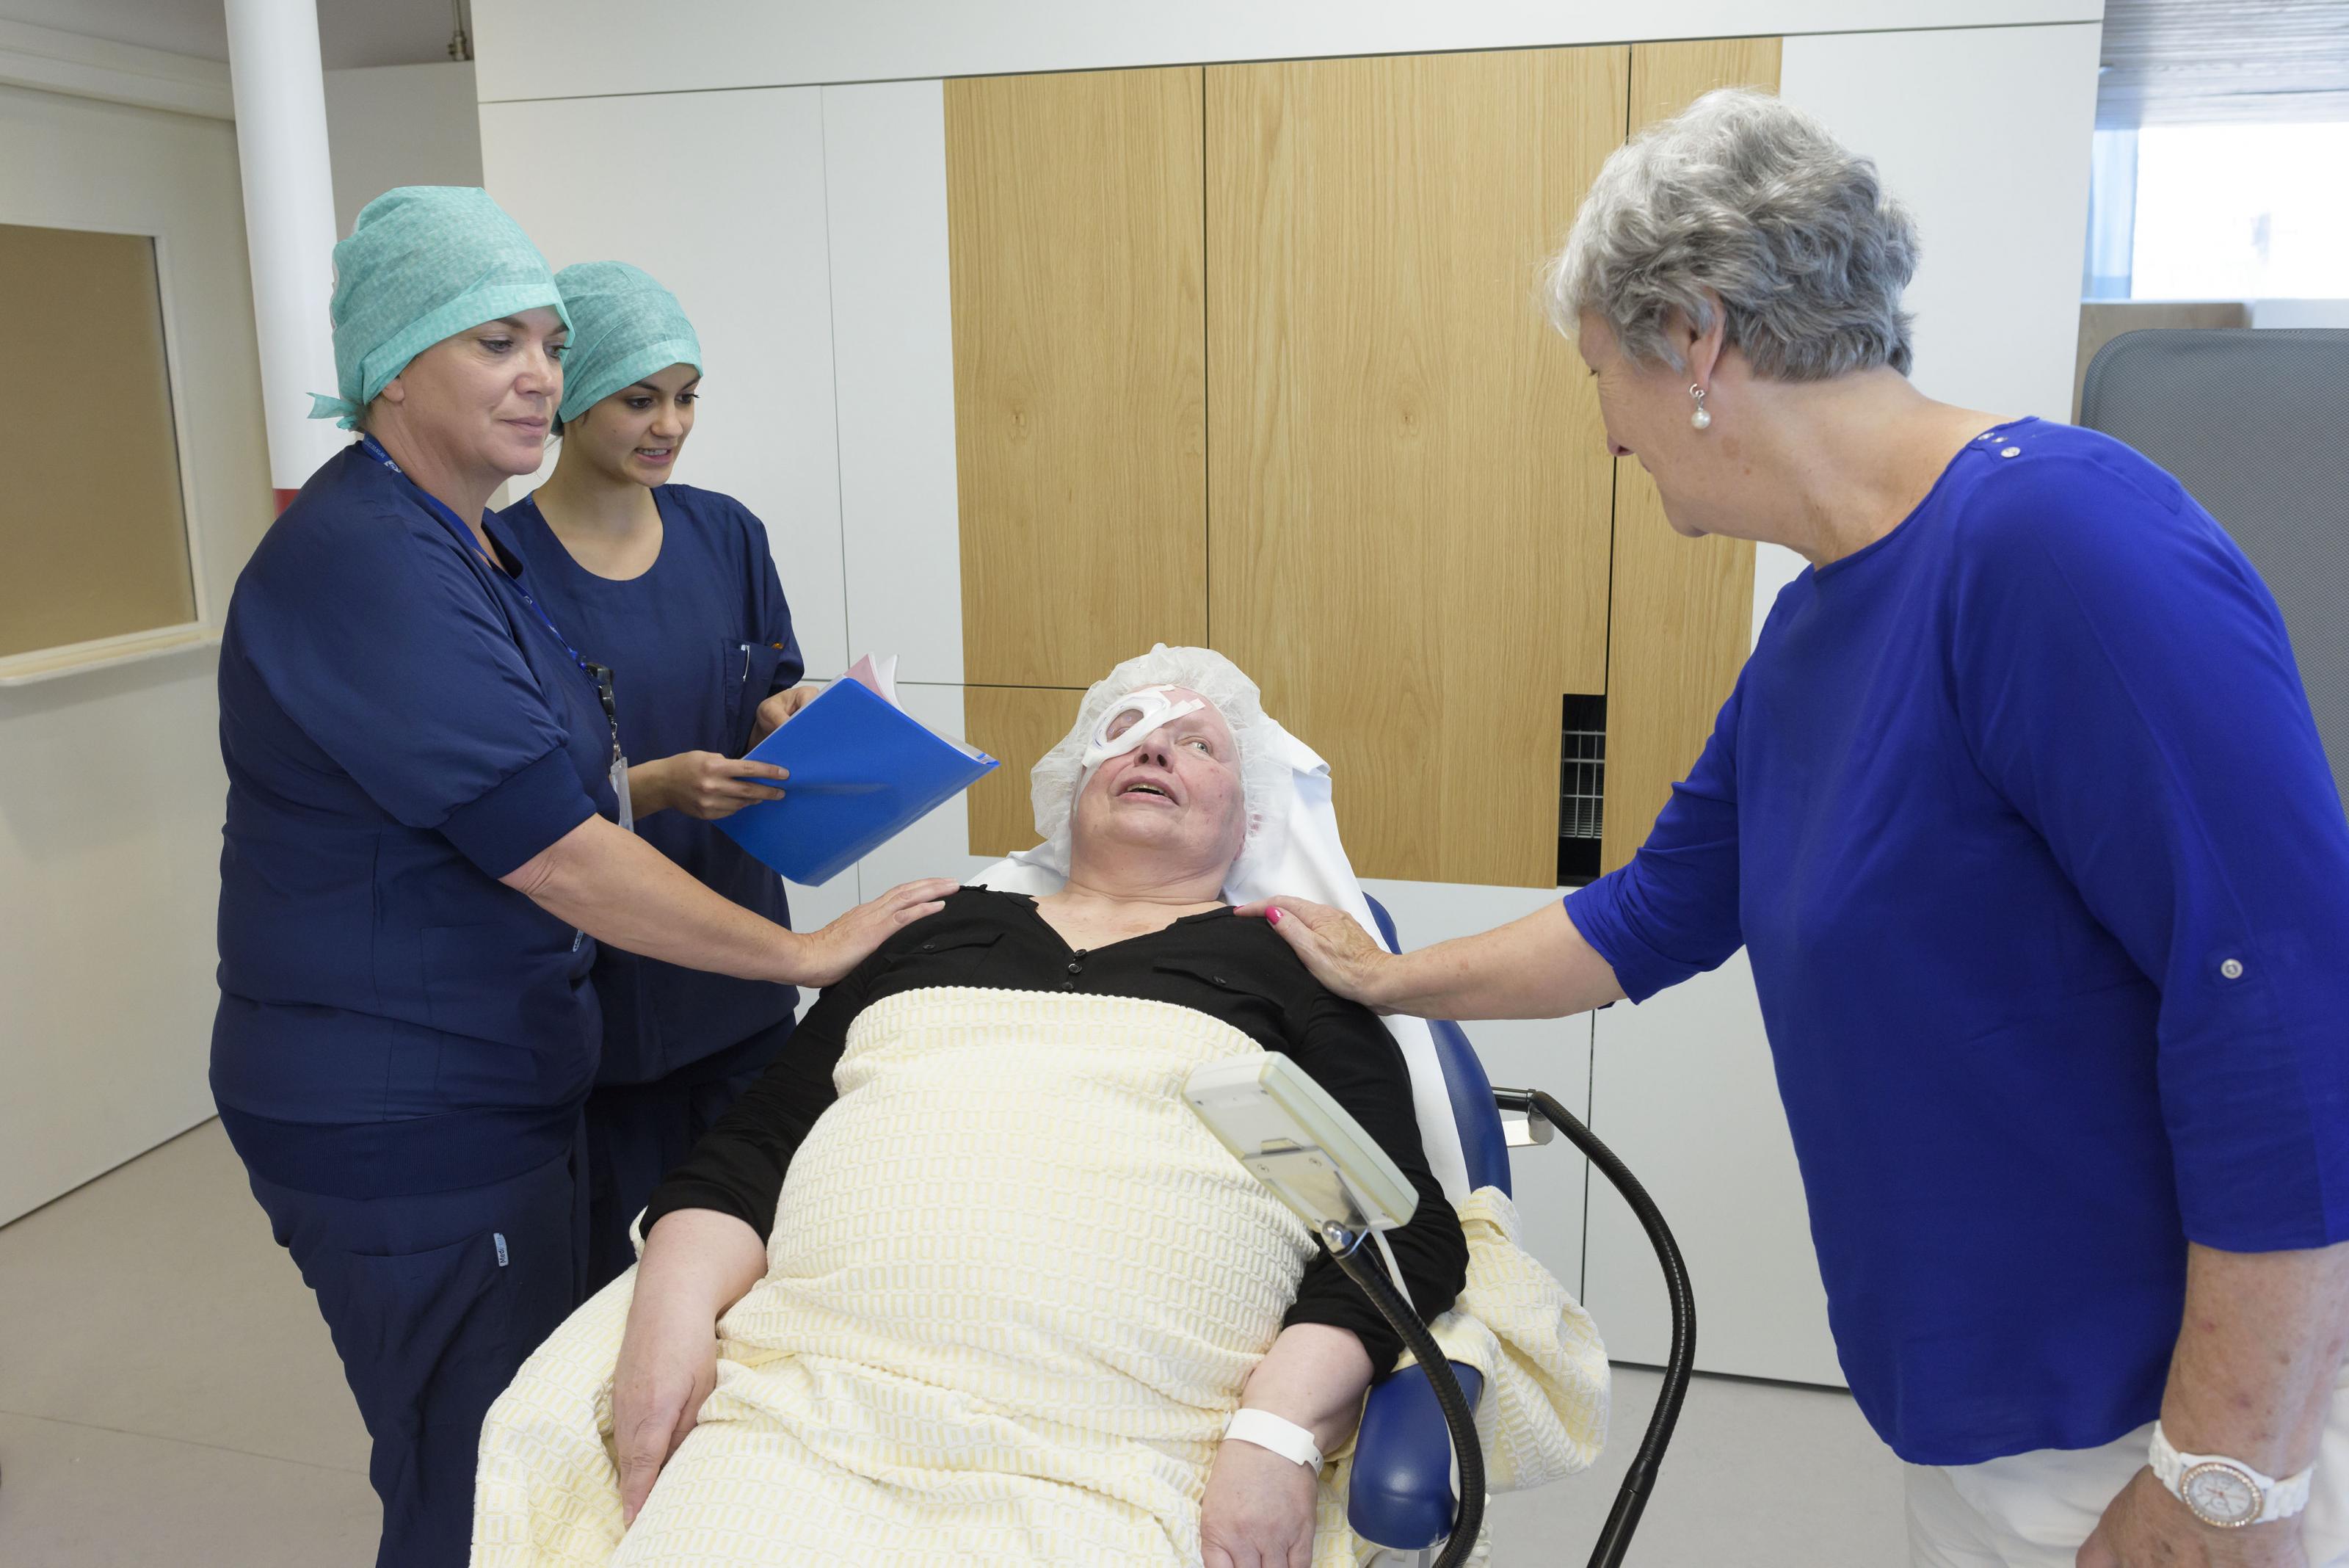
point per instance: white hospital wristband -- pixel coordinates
(1266, 1430)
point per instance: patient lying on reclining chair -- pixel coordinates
(963, 1279)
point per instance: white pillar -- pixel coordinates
(289, 224)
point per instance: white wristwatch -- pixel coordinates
(1266, 1430)
(2226, 1492)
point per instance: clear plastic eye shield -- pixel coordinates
(1151, 709)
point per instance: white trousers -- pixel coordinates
(2037, 1509)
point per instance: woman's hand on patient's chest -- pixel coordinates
(1258, 1510)
(831, 952)
(1341, 955)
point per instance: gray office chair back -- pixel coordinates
(2256, 426)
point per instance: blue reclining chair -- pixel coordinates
(1402, 1497)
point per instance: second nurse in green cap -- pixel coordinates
(675, 588)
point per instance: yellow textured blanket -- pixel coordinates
(1013, 1289)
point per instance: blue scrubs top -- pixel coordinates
(400, 730)
(2022, 814)
(695, 643)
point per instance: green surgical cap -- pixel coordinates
(423, 263)
(624, 327)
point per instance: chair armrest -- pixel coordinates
(1400, 1497)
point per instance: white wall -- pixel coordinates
(399, 125)
(1963, 125)
(360, 34)
(552, 48)
(721, 197)
(1984, 133)
(1552, 1054)
(893, 346)
(110, 783)
(196, 28)
(352, 34)
(2324, 313)
(1682, 1088)
(1968, 123)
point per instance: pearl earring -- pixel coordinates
(1699, 418)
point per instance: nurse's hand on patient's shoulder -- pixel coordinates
(706, 784)
(1341, 955)
(778, 710)
(1257, 1511)
(828, 953)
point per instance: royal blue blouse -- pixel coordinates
(2022, 817)
(400, 730)
(695, 643)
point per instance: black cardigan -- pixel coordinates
(1240, 971)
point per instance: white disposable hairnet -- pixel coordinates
(1054, 783)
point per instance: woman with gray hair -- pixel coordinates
(2021, 811)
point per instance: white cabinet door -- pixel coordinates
(1548, 1054)
(1681, 1089)
(721, 197)
(885, 150)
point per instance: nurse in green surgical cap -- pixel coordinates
(422, 857)
(675, 588)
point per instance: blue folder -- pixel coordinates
(862, 773)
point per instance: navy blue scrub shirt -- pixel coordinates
(695, 643)
(400, 728)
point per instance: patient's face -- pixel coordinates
(1177, 795)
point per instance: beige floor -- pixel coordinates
(169, 1400)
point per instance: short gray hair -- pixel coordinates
(1744, 198)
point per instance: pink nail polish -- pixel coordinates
(1273, 915)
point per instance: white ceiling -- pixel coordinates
(2166, 61)
(351, 32)
(2177, 61)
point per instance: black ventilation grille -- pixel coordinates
(1581, 789)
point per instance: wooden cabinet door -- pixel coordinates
(1681, 609)
(1015, 725)
(1073, 227)
(1409, 492)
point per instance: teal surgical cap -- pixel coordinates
(624, 327)
(424, 263)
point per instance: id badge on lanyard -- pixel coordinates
(620, 793)
(602, 675)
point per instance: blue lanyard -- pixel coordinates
(600, 674)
